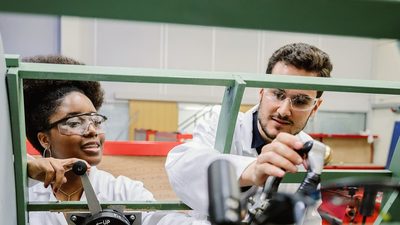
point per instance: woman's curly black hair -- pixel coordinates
(43, 97)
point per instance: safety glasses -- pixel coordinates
(298, 102)
(79, 124)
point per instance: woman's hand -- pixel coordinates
(51, 170)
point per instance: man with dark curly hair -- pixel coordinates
(265, 138)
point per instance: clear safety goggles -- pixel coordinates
(300, 102)
(79, 124)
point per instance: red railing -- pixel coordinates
(128, 148)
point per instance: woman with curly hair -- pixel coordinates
(62, 123)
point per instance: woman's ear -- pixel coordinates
(44, 139)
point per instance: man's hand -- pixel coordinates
(275, 159)
(51, 170)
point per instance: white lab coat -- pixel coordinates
(107, 188)
(187, 164)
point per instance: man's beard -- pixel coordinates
(272, 137)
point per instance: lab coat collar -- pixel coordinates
(40, 190)
(246, 124)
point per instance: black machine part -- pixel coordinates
(266, 203)
(371, 188)
(368, 201)
(272, 183)
(223, 192)
(309, 186)
(80, 169)
(97, 215)
(283, 209)
(105, 217)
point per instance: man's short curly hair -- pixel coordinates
(43, 97)
(302, 56)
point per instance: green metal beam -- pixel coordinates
(366, 18)
(12, 60)
(77, 205)
(393, 202)
(323, 84)
(235, 83)
(168, 205)
(123, 74)
(143, 75)
(229, 112)
(330, 174)
(18, 139)
(385, 211)
(394, 163)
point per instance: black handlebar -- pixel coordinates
(79, 168)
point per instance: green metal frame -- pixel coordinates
(339, 17)
(366, 18)
(234, 83)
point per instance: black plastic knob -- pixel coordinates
(79, 168)
(305, 149)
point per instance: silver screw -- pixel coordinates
(132, 217)
(73, 218)
(251, 200)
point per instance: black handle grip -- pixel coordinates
(367, 205)
(79, 168)
(223, 194)
(305, 149)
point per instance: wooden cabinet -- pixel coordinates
(348, 148)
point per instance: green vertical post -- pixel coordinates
(387, 207)
(15, 96)
(391, 201)
(12, 60)
(394, 164)
(395, 168)
(227, 118)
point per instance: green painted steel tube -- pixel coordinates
(12, 60)
(229, 112)
(366, 18)
(231, 102)
(124, 74)
(18, 138)
(77, 205)
(324, 84)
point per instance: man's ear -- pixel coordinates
(317, 105)
(261, 93)
(44, 139)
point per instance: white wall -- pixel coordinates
(7, 190)
(169, 46)
(386, 67)
(28, 35)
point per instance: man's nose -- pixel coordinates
(285, 107)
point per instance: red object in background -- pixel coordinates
(128, 148)
(30, 149)
(344, 206)
(322, 135)
(160, 136)
(341, 211)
